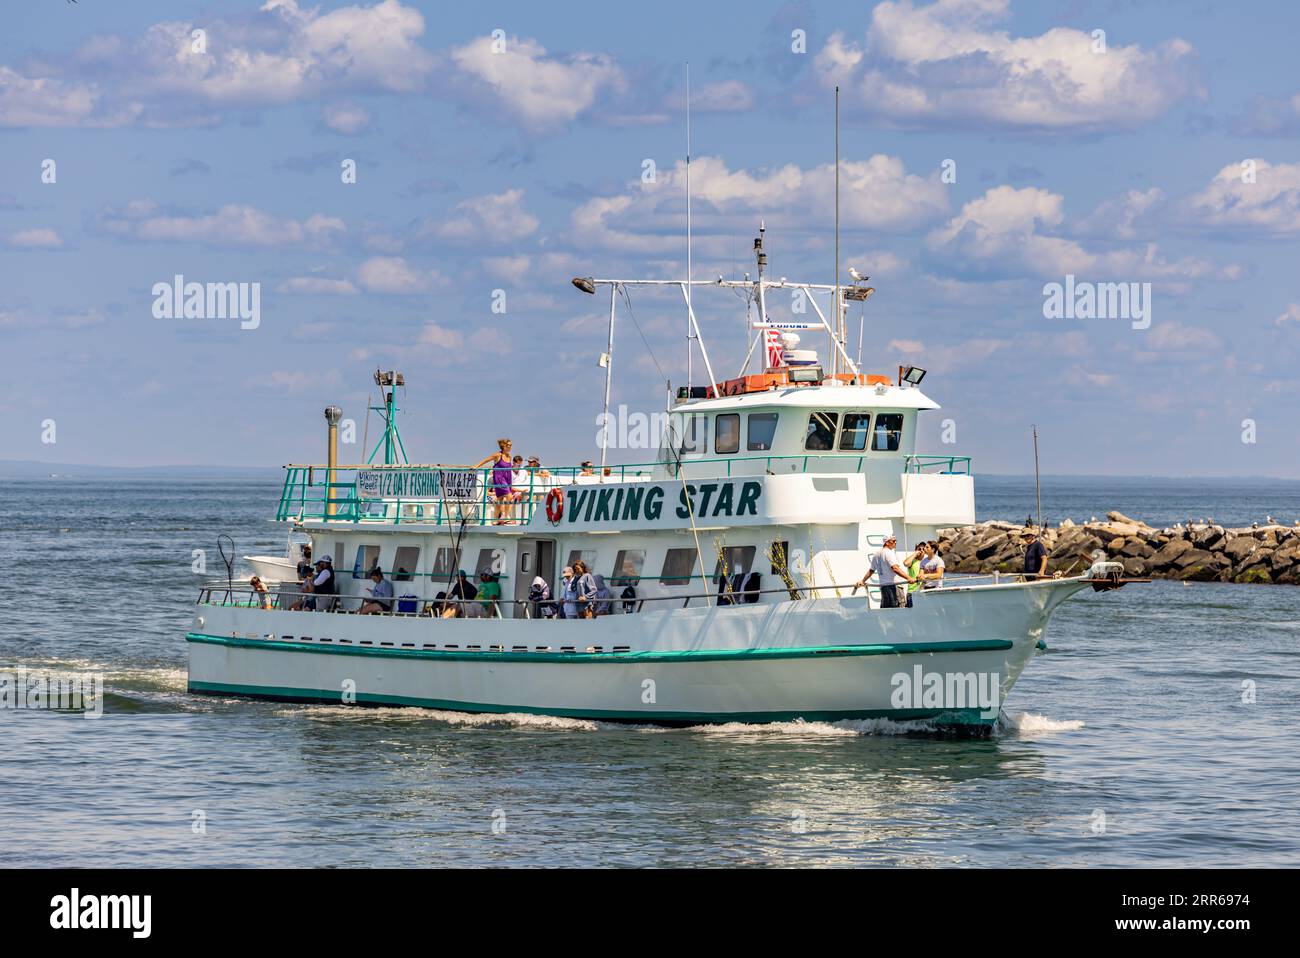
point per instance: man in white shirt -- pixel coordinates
(885, 564)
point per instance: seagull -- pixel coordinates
(1269, 520)
(857, 277)
(1254, 525)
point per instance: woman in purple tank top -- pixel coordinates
(500, 489)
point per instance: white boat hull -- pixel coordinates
(816, 659)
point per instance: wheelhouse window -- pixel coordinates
(627, 567)
(405, 563)
(888, 434)
(821, 431)
(367, 559)
(679, 566)
(857, 426)
(735, 560)
(695, 434)
(726, 435)
(762, 430)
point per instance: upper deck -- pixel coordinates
(793, 430)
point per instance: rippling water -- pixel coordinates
(1134, 713)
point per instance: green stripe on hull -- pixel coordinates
(590, 658)
(954, 717)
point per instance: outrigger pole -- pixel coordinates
(690, 316)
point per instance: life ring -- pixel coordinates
(555, 506)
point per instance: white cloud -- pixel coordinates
(497, 217)
(346, 118)
(392, 274)
(876, 193)
(51, 101)
(1176, 337)
(972, 352)
(1268, 206)
(231, 225)
(1289, 315)
(39, 238)
(1007, 232)
(944, 63)
(540, 91)
(318, 285)
(281, 54)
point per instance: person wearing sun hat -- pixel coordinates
(1035, 555)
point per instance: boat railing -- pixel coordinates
(414, 607)
(446, 495)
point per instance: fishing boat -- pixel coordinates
(733, 560)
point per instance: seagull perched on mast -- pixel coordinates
(857, 277)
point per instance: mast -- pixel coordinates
(688, 228)
(607, 360)
(839, 307)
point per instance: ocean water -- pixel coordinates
(1127, 743)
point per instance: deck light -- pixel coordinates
(912, 375)
(586, 284)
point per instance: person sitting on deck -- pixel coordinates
(540, 605)
(381, 594)
(501, 488)
(489, 594)
(603, 605)
(324, 586)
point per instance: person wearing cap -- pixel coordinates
(324, 584)
(885, 564)
(1035, 555)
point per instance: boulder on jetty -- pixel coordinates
(1200, 552)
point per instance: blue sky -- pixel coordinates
(516, 168)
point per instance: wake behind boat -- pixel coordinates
(736, 559)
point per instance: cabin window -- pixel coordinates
(888, 434)
(679, 566)
(445, 561)
(726, 436)
(695, 434)
(367, 559)
(588, 557)
(735, 560)
(405, 563)
(857, 425)
(762, 430)
(627, 567)
(821, 431)
(490, 560)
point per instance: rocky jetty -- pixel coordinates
(1200, 552)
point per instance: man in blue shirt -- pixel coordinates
(1035, 555)
(381, 594)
